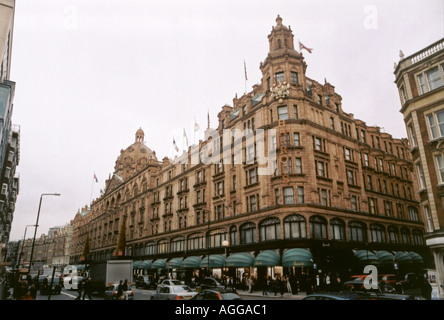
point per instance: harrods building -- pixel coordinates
(334, 195)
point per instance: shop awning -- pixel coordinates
(385, 256)
(191, 262)
(159, 264)
(216, 261)
(136, 264)
(402, 257)
(297, 257)
(242, 259)
(366, 256)
(175, 263)
(267, 258)
(145, 264)
(416, 258)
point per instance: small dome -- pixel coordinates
(140, 135)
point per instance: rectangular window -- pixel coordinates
(295, 112)
(320, 99)
(298, 163)
(422, 84)
(279, 77)
(252, 201)
(440, 167)
(434, 78)
(332, 123)
(276, 196)
(282, 113)
(422, 184)
(403, 95)
(436, 124)
(288, 195)
(301, 195)
(327, 100)
(252, 175)
(354, 203)
(294, 78)
(296, 139)
(372, 205)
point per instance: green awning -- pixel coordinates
(385, 256)
(191, 262)
(175, 263)
(267, 258)
(145, 264)
(136, 264)
(367, 256)
(402, 257)
(416, 258)
(297, 257)
(243, 259)
(159, 264)
(216, 261)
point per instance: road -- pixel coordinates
(139, 294)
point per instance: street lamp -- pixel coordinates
(225, 244)
(23, 244)
(36, 226)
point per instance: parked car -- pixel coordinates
(212, 294)
(379, 293)
(176, 292)
(210, 283)
(145, 282)
(56, 287)
(346, 295)
(111, 292)
(169, 282)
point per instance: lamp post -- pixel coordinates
(36, 226)
(23, 244)
(225, 244)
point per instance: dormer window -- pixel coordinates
(279, 43)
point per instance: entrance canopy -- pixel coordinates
(366, 256)
(216, 261)
(191, 262)
(242, 259)
(297, 257)
(145, 264)
(385, 256)
(175, 263)
(267, 258)
(159, 264)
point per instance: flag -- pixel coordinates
(95, 178)
(245, 70)
(175, 145)
(185, 136)
(301, 46)
(208, 119)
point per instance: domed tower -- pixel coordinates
(283, 63)
(134, 158)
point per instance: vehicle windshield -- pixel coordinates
(175, 282)
(182, 289)
(230, 296)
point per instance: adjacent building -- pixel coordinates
(9, 134)
(288, 183)
(420, 81)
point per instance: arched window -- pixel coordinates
(177, 244)
(295, 226)
(216, 237)
(270, 229)
(357, 231)
(318, 227)
(405, 236)
(393, 234)
(162, 246)
(412, 213)
(247, 233)
(377, 233)
(233, 236)
(418, 238)
(195, 242)
(337, 229)
(150, 248)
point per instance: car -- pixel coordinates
(378, 293)
(176, 292)
(145, 282)
(212, 294)
(56, 287)
(210, 283)
(111, 292)
(169, 282)
(345, 295)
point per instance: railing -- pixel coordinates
(433, 48)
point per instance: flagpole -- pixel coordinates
(90, 197)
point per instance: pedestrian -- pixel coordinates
(318, 283)
(328, 281)
(308, 286)
(281, 286)
(80, 285)
(120, 291)
(250, 285)
(87, 289)
(266, 286)
(33, 291)
(426, 289)
(289, 285)
(125, 289)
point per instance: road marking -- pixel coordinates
(70, 295)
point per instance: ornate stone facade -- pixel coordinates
(331, 184)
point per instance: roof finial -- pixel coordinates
(279, 20)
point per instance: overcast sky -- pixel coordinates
(89, 73)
